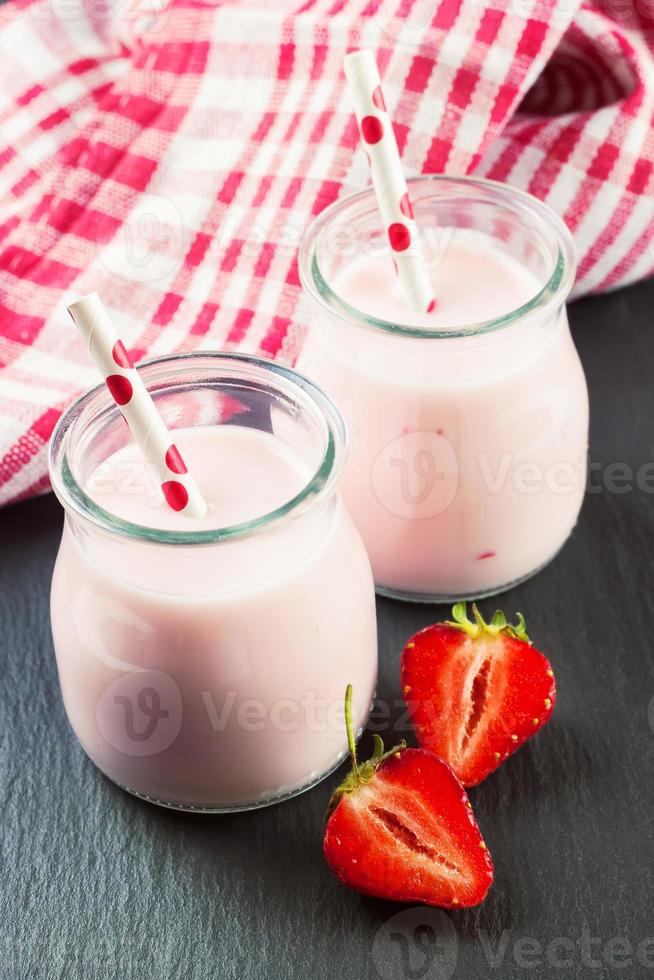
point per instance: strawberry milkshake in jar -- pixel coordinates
(203, 661)
(468, 424)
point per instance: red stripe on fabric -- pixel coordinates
(293, 275)
(198, 249)
(204, 319)
(44, 425)
(262, 190)
(28, 445)
(587, 192)
(6, 155)
(54, 119)
(489, 26)
(626, 263)
(350, 135)
(337, 8)
(292, 191)
(266, 255)
(404, 9)
(507, 93)
(631, 107)
(371, 9)
(76, 149)
(419, 74)
(323, 119)
(328, 192)
(275, 335)
(69, 217)
(167, 309)
(531, 40)
(42, 485)
(99, 93)
(306, 6)
(603, 162)
(291, 129)
(19, 326)
(557, 154)
(640, 176)
(401, 136)
(437, 154)
(318, 63)
(604, 240)
(30, 94)
(82, 65)
(176, 57)
(240, 326)
(262, 130)
(230, 186)
(286, 60)
(605, 157)
(105, 161)
(522, 137)
(463, 86)
(144, 110)
(23, 264)
(447, 13)
(232, 252)
(383, 58)
(8, 226)
(24, 184)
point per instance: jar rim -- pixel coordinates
(321, 484)
(551, 296)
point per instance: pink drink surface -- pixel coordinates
(472, 282)
(213, 675)
(459, 447)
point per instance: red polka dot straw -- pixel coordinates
(388, 179)
(148, 429)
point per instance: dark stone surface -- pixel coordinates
(96, 884)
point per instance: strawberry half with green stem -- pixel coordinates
(476, 691)
(401, 827)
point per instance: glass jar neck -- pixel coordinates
(194, 390)
(511, 221)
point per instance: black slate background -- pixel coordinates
(96, 884)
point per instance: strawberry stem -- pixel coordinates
(351, 744)
(361, 774)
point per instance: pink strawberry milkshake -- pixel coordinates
(468, 425)
(203, 663)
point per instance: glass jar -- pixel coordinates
(468, 443)
(205, 669)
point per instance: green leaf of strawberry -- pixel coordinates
(401, 827)
(476, 691)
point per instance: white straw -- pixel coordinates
(388, 179)
(148, 429)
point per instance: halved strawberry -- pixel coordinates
(401, 827)
(476, 691)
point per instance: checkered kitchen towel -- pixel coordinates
(170, 157)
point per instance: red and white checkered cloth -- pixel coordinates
(171, 156)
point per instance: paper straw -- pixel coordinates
(148, 429)
(388, 179)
